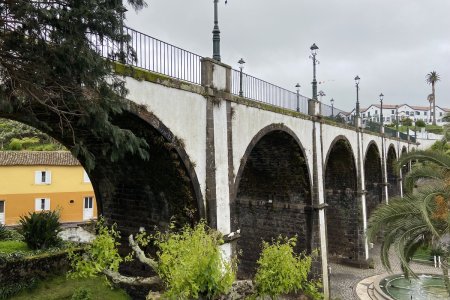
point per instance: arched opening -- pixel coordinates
(272, 195)
(392, 174)
(373, 179)
(343, 212)
(130, 191)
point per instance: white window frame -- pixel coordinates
(3, 220)
(38, 204)
(38, 176)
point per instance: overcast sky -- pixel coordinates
(390, 44)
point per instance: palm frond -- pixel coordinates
(439, 158)
(423, 172)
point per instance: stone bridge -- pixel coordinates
(255, 167)
(248, 165)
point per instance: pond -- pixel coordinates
(425, 287)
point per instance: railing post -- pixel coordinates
(216, 75)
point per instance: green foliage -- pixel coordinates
(3, 232)
(7, 247)
(101, 254)
(40, 229)
(7, 291)
(420, 123)
(54, 79)
(407, 122)
(82, 294)
(281, 271)
(191, 263)
(63, 288)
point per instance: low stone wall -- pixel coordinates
(13, 272)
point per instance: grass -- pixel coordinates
(13, 246)
(62, 288)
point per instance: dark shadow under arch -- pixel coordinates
(130, 191)
(343, 214)
(392, 174)
(272, 194)
(373, 178)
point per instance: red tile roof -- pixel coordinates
(34, 158)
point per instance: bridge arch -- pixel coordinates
(373, 177)
(272, 194)
(130, 191)
(392, 173)
(343, 214)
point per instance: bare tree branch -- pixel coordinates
(116, 277)
(141, 255)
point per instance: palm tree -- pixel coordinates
(422, 217)
(432, 78)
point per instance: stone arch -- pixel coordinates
(130, 191)
(343, 214)
(392, 173)
(373, 178)
(272, 194)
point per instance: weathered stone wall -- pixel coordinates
(344, 221)
(271, 199)
(392, 174)
(373, 179)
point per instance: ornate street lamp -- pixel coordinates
(381, 109)
(357, 95)
(297, 86)
(241, 63)
(314, 49)
(332, 107)
(216, 33)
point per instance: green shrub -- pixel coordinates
(420, 123)
(40, 229)
(3, 232)
(191, 263)
(281, 271)
(82, 294)
(100, 255)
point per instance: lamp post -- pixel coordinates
(381, 110)
(332, 107)
(314, 49)
(216, 34)
(297, 86)
(241, 63)
(396, 118)
(357, 95)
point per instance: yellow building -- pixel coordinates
(44, 180)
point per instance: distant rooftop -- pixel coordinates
(37, 158)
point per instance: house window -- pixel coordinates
(41, 204)
(368, 114)
(86, 177)
(407, 113)
(418, 113)
(2, 212)
(424, 113)
(393, 111)
(440, 114)
(376, 112)
(388, 119)
(43, 177)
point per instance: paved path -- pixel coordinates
(344, 279)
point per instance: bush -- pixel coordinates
(82, 294)
(191, 263)
(40, 229)
(281, 271)
(420, 123)
(3, 232)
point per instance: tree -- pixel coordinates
(432, 78)
(420, 123)
(407, 122)
(54, 78)
(189, 262)
(422, 216)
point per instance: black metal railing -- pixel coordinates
(153, 55)
(259, 90)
